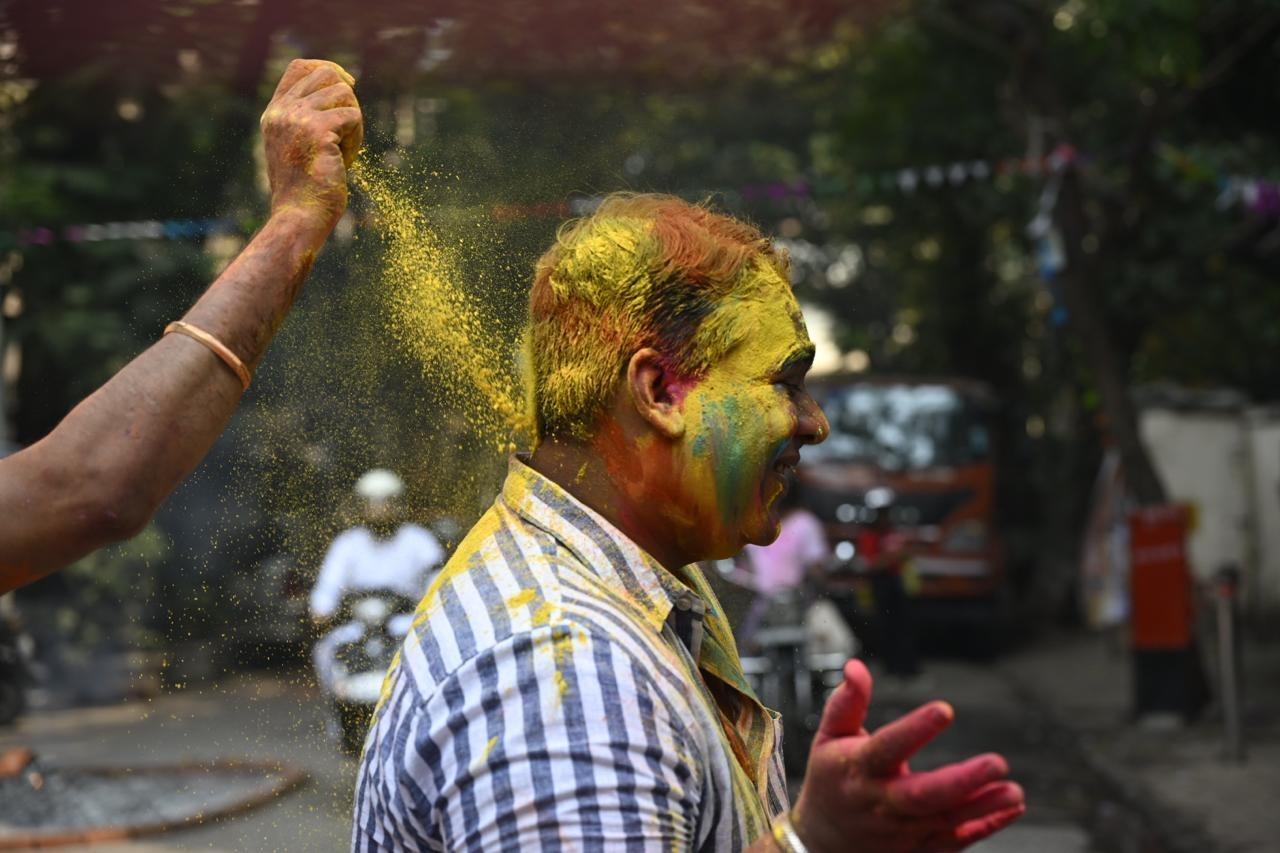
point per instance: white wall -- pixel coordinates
(1201, 457)
(1226, 463)
(1264, 446)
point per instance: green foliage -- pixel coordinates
(74, 158)
(115, 587)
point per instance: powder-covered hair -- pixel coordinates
(641, 271)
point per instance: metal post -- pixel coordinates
(1228, 581)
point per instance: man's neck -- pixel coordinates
(581, 471)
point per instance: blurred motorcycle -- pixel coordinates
(353, 658)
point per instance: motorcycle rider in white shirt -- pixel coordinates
(377, 555)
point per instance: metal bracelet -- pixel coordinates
(215, 346)
(784, 834)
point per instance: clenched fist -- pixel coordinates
(312, 130)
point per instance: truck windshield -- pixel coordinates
(901, 427)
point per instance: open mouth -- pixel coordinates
(784, 468)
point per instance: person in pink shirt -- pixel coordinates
(783, 565)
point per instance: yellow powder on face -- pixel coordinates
(737, 420)
(437, 321)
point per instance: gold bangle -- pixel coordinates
(215, 346)
(785, 835)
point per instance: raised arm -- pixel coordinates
(101, 474)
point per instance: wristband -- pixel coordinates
(785, 836)
(215, 346)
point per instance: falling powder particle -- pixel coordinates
(437, 321)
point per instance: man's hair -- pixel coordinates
(641, 271)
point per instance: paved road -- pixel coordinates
(255, 717)
(991, 717)
(264, 717)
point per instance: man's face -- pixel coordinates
(745, 422)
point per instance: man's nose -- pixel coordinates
(811, 426)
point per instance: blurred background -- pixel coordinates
(1036, 242)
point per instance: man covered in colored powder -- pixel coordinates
(571, 681)
(102, 472)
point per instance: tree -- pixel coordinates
(1120, 81)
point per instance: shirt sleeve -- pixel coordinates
(326, 595)
(554, 739)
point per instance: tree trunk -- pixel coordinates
(1079, 280)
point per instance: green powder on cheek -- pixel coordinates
(730, 457)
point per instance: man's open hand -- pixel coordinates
(312, 130)
(859, 794)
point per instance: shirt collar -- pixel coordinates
(637, 577)
(603, 549)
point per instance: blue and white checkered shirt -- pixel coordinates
(562, 690)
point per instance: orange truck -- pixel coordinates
(931, 443)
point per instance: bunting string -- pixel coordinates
(1256, 195)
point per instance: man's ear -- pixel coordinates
(655, 392)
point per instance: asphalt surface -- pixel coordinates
(991, 717)
(257, 717)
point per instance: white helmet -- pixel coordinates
(379, 484)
